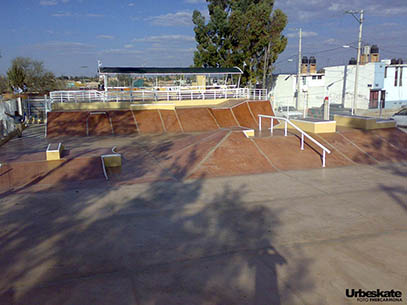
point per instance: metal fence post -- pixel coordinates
(272, 126)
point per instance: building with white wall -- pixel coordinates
(395, 84)
(380, 84)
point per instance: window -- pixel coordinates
(304, 80)
(396, 76)
(385, 72)
(401, 77)
(319, 76)
(314, 77)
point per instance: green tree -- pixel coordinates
(243, 33)
(25, 70)
(16, 75)
(3, 84)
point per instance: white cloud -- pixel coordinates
(69, 14)
(63, 45)
(182, 18)
(331, 41)
(304, 34)
(48, 2)
(62, 14)
(94, 15)
(132, 4)
(195, 1)
(52, 2)
(165, 37)
(128, 46)
(121, 52)
(105, 37)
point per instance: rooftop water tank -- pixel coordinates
(312, 60)
(352, 61)
(304, 60)
(374, 49)
(400, 61)
(393, 61)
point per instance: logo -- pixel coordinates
(377, 295)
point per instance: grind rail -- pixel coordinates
(303, 134)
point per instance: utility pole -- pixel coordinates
(297, 100)
(360, 21)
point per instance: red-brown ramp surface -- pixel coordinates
(236, 155)
(123, 122)
(170, 120)
(244, 116)
(262, 107)
(374, 145)
(148, 121)
(98, 124)
(224, 117)
(70, 123)
(50, 173)
(196, 119)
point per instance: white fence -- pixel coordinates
(156, 95)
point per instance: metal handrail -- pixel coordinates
(303, 133)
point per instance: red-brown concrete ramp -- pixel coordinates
(69, 123)
(123, 122)
(180, 156)
(170, 121)
(126, 122)
(99, 124)
(225, 117)
(197, 119)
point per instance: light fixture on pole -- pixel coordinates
(360, 21)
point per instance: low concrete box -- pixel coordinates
(249, 133)
(112, 160)
(54, 151)
(312, 125)
(362, 122)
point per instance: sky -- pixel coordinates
(70, 36)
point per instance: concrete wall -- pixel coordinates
(338, 84)
(7, 123)
(312, 90)
(396, 96)
(341, 88)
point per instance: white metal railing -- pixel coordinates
(303, 133)
(170, 94)
(77, 96)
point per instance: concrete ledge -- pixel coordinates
(54, 151)
(249, 133)
(127, 105)
(361, 122)
(312, 126)
(112, 160)
(152, 106)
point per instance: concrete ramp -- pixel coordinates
(197, 119)
(156, 121)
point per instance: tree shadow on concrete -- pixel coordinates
(397, 193)
(175, 242)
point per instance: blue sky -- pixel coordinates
(69, 36)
